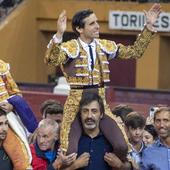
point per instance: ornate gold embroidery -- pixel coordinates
(4, 97)
(85, 80)
(81, 62)
(4, 67)
(105, 67)
(8, 86)
(71, 48)
(104, 59)
(2, 88)
(54, 55)
(83, 52)
(11, 86)
(70, 111)
(83, 71)
(96, 80)
(139, 47)
(106, 76)
(107, 46)
(97, 67)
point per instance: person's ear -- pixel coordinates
(79, 30)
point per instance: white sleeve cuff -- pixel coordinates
(54, 40)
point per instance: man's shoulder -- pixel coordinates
(107, 46)
(72, 42)
(71, 48)
(151, 149)
(4, 67)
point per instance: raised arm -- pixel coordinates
(61, 25)
(143, 40)
(53, 54)
(152, 15)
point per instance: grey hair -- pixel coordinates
(162, 109)
(49, 123)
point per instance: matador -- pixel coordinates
(85, 64)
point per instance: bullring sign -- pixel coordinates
(128, 20)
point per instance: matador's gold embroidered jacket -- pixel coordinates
(73, 59)
(8, 86)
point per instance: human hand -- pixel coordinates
(66, 159)
(7, 107)
(149, 120)
(152, 15)
(63, 160)
(113, 160)
(61, 24)
(82, 160)
(134, 164)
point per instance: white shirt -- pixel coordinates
(86, 48)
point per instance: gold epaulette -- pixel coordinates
(109, 47)
(71, 48)
(4, 67)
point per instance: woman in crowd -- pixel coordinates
(149, 135)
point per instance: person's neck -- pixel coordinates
(85, 40)
(92, 133)
(166, 141)
(137, 146)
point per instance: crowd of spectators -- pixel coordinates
(146, 139)
(6, 6)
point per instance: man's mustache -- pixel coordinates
(89, 120)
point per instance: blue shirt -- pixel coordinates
(156, 157)
(96, 147)
(137, 155)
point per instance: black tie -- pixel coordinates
(91, 56)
